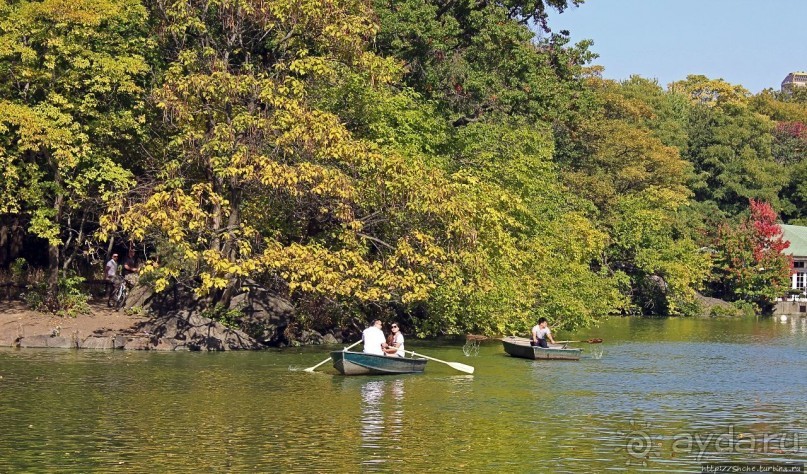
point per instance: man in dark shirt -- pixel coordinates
(131, 267)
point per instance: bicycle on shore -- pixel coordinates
(119, 293)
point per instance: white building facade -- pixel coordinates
(793, 80)
(796, 301)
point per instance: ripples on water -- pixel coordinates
(665, 396)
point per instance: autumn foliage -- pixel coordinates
(750, 261)
(437, 162)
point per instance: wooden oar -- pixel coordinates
(454, 365)
(311, 369)
(590, 341)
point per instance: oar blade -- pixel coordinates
(454, 365)
(461, 367)
(595, 340)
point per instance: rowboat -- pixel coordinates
(520, 347)
(359, 363)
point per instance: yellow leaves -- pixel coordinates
(307, 178)
(381, 70)
(582, 242)
(45, 129)
(316, 65)
(85, 13)
(210, 282)
(9, 182)
(711, 92)
(344, 273)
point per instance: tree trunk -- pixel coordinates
(53, 277)
(230, 250)
(52, 298)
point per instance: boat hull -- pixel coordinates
(359, 363)
(520, 347)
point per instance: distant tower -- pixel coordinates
(794, 79)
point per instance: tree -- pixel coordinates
(72, 106)
(788, 148)
(711, 92)
(730, 150)
(749, 263)
(247, 134)
(480, 61)
(638, 185)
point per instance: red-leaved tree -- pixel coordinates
(749, 263)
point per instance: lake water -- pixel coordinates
(664, 395)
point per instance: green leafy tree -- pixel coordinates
(730, 150)
(502, 93)
(479, 60)
(638, 185)
(534, 247)
(71, 109)
(789, 149)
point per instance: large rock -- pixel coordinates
(137, 344)
(47, 341)
(119, 341)
(714, 307)
(166, 344)
(140, 296)
(94, 342)
(186, 330)
(265, 316)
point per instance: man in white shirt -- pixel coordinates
(111, 274)
(373, 339)
(539, 334)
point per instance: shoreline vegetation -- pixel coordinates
(132, 328)
(294, 169)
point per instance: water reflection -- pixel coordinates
(796, 324)
(724, 386)
(382, 418)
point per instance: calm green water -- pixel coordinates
(666, 395)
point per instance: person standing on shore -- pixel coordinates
(111, 274)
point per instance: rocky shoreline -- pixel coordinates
(104, 328)
(166, 322)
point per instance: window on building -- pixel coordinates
(798, 264)
(801, 281)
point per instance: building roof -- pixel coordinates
(797, 235)
(797, 79)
